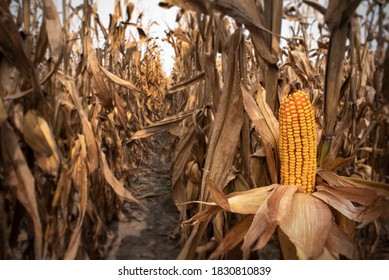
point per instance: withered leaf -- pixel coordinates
(79, 174)
(114, 78)
(102, 90)
(55, 34)
(21, 180)
(307, 224)
(116, 185)
(93, 155)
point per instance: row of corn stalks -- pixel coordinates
(71, 94)
(68, 109)
(230, 77)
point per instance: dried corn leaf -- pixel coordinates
(34, 135)
(246, 12)
(365, 197)
(266, 126)
(79, 175)
(228, 120)
(93, 156)
(217, 195)
(167, 123)
(339, 11)
(21, 180)
(358, 182)
(273, 209)
(181, 157)
(361, 214)
(187, 83)
(39, 136)
(12, 47)
(101, 88)
(116, 185)
(114, 78)
(55, 34)
(3, 112)
(248, 202)
(339, 242)
(307, 225)
(234, 236)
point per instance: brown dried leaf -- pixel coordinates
(248, 202)
(228, 120)
(116, 185)
(55, 34)
(360, 214)
(187, 83)
(12, 47)
(267, 127)
(337, 163)
(246, 12)
(79, 175)
(21, 180)
(381, 188)
(102, 90)
(167, 123)
(307, 225)
(114, 78)
(217, 195)
(3, 112)
(93, 155)
(275, 207)
(301, 61)
(182, 154)
(234, 236)
(335, 180)
(339, 242)
(41, 44)
(39, 136)
(33, 134)
(316, 6)
(364, 197)
(339, 11)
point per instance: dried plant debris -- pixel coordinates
(86, 110)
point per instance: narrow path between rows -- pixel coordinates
(151, 232)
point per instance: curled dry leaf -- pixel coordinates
(275, 207)
(266, 125)
(167, 123)
(39, 137)
(114, 78)
(55, 34)
(116, 185)
(20, 179)
(3, 112)
(187, 83)
(234, 236)
(101, 88)
(307, 224)
(79, 174)
(359, 214)
(339, 242)
(34, 133)
(12, 47)
(93, 155)
(228, 120)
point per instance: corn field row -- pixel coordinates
(81, 105)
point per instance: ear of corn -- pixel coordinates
(297, 142)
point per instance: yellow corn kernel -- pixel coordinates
(298, 142)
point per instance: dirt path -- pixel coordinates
(151, 232)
